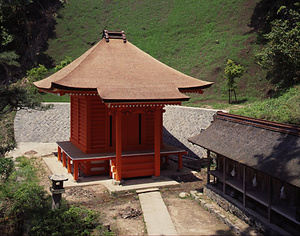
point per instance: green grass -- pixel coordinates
(195, 37)
(285, 108)
(47, 97)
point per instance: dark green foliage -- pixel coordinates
(13, 97)
(7, 140)
(6, 168)
(67, 220)
(17, 97)
(281, 54)
(265, 12)
(25, 208)
(25, 28)
(22, 201)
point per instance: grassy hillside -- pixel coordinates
(195, 37)
(285, 108)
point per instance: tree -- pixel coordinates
(232, 71)
(281, 54)
(26, 26)
(8, 57)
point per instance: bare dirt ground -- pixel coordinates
(122, 212)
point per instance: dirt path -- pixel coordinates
(123, 214)
(187, 215)
(192, 219)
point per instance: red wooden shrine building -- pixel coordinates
(118, 93)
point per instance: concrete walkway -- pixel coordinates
(131, 184)
(157, 218)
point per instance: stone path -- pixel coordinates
(157, 218)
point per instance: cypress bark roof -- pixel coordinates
(270, 147)
(120, 72)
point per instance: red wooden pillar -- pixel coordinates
(69, 164)
(64, 159)
(118, 146)
(76, 171)
(157, 140)
(59, 153)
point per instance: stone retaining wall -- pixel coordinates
(250, 219)
(181, 123)
(43, 126)
(52, 125)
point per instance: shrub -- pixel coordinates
(232, 71)
(67, 220)
(25, 201)
(36, 73)
(281, 55)
(63, 63)
(25, 208)
(6, 168)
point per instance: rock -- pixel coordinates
(30, 153)
(183, 195)
(129, 212)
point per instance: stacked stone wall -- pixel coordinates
(43, 126)
(181, 123)
(252, 220)
(52, 125)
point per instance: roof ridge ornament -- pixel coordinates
(114, 35)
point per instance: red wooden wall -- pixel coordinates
(93, 128)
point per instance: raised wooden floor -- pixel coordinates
(102, 163)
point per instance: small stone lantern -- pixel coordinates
(57, 189)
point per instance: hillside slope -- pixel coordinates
(195, 37)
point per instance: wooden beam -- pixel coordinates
(269, 198)
(157, 140)
(118, 146)
(208, 166)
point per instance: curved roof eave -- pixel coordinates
(115, 69)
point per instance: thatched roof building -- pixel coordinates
(270, 147)
(257, 168)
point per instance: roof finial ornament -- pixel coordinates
(114, 35)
